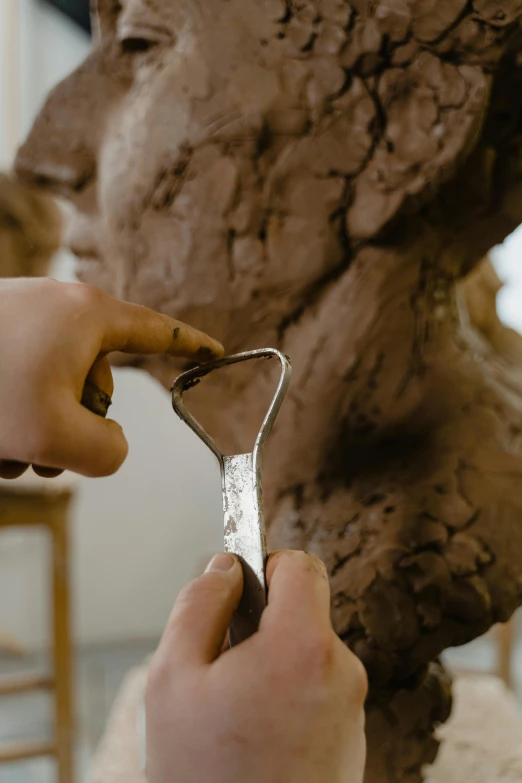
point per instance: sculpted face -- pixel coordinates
(180, 141)
(224, 155)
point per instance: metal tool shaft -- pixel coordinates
(245, 537)
(242, 491)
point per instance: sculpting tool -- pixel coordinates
(96, 400)
(242, 490)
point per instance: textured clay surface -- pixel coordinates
(323, 177)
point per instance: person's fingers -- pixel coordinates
(9, 469)
(298, 593)
(135, 329)
(81, 441)
(199, 622)
(48, 473)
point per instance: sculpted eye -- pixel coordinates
(136, 38)
(137, 44)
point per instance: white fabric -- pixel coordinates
(482, 742)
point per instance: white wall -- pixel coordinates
(38, 47)
(507, 259)
(137, 537)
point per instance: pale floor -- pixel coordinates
(100, 673)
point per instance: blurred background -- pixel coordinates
(136, 537)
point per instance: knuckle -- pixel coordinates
(328, 664)
(319, 656)
(157, 678)
(84, 295)
(360, 679)
(49, 283)
(356, 676)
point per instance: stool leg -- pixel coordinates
(505, 633)
(62, 651)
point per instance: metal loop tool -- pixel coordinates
(242, 490)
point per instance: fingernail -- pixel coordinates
(206, 354)
(221, 562)
(213, 350)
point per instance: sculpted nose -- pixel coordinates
(61, 171)
(57, 155)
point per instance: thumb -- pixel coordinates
(298, 594)
(202, 614)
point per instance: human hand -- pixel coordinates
(55, 338)
(285, 705)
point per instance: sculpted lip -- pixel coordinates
(84, 255)
(81, 236)
(83, 246)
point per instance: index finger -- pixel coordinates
(298, 592)
(131, 328)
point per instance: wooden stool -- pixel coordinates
(505, 636)
(29, 502)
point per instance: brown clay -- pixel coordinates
(321, 177)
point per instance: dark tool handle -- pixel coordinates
(246, 620)
(96, 400)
